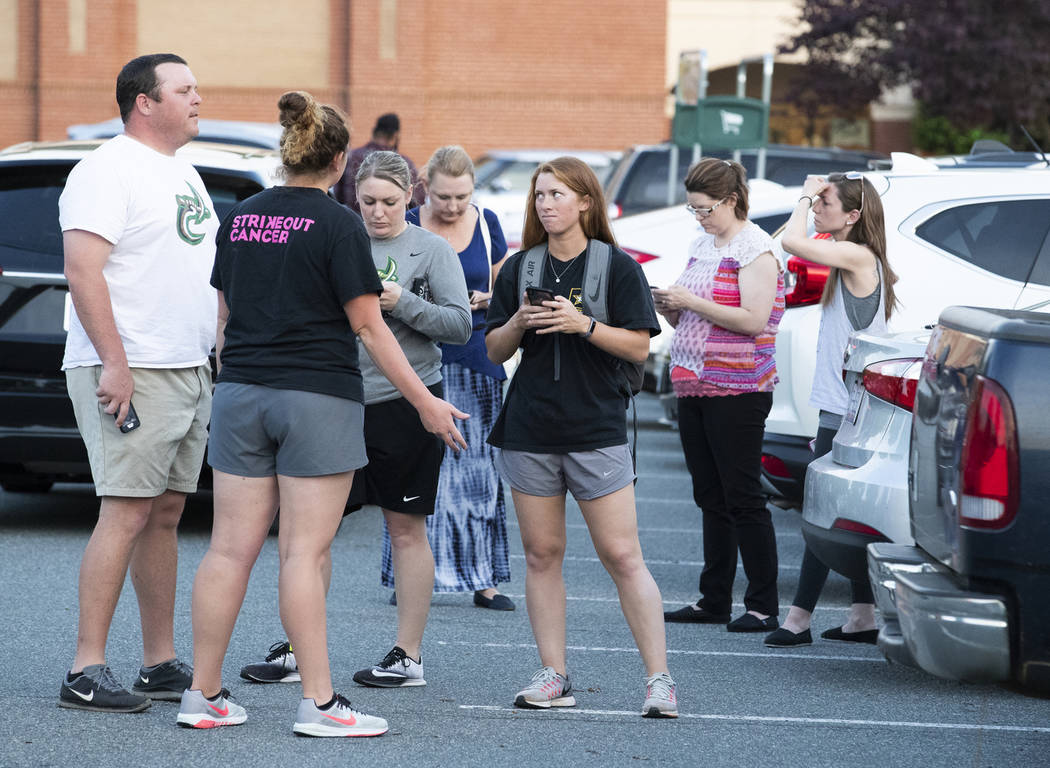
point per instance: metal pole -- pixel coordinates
(767, 98)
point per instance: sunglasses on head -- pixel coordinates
(855, 176)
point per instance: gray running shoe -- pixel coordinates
(96, 689)
(165, 681)
(547, 689)
(396, 670)
(279, 667)
(197, 711)
(661, 699)
(340, 719)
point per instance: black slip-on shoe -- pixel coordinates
(870, 636)
(751, 623)
(498, 602)
(694, 614)
(785, 638)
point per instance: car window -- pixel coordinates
(1002, 236)
(227, 189)
(1041, 271)
(645, 186)
(515, 176)
(30, 238)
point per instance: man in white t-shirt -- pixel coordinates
(139, 236)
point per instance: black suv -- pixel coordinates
(39, 441)
(639, 182)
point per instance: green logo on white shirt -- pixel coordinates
(192, 212)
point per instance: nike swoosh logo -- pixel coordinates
(410, 498)
(220, 712)
(380, 673)
(415, 254)
(606, 474)
(145, 680)
(345, 721)
(88, 697)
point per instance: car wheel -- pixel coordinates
(25, 485)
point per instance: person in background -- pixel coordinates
(563, 427)
(858, 296)
(468, 530)
(725, 309)
(138, 229)
(288, 416)
(386, 135)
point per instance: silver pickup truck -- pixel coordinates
(969, 601)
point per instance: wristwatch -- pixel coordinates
(590, 330)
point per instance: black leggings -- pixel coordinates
(814, 573)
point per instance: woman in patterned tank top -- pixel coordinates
(725, 309)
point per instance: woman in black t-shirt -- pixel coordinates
(563, 424)
(292, 267)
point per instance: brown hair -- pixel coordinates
(313, 133)
(869, 230)
(577, 176)
(452, 161)
(719, 179)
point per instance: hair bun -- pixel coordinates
(296, 108)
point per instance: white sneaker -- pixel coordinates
(340, 719)
(196, 711)
(546, 689)
(661, 699)
(396, 670)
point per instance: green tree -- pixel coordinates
(975, 63)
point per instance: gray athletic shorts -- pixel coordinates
(585, 474)
(259, 431)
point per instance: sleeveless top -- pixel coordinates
(829, 391)
(707, 359)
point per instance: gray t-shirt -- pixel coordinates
(421, 263)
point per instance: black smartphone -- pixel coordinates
(537, 295)
(131, 421)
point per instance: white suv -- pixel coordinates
(953, 236)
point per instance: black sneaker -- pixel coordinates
(396, 670)
(165, 681)
(279, 667)
(97, 689)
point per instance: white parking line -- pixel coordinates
(672, 652)
(647, 529)
(652, 561)
(794, 720)
(823, 606)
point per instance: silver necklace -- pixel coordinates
(568, 266)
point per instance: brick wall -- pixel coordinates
(476, 72)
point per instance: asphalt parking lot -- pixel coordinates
(741, 703)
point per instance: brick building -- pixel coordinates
(482, 73)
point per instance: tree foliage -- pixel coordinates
(972, 62)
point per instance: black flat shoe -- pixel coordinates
(749, 622)
(785, 638)
(869, 636)
(692, 614)
(498, 602)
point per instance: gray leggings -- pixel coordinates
(814, 573)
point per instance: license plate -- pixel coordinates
(856, 393)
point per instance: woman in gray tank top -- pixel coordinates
(858, 296)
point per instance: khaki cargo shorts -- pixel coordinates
(166, 451)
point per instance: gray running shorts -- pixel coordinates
(259, 431)
(585, 474)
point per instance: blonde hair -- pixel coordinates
(452, 161)
(313, 133)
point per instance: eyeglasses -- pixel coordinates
(703, 213)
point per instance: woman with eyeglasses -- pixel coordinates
(857, 296)
(725, 309)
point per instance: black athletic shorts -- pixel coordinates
(403, 460)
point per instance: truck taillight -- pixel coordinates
(894, 381)
(805, 282)
(640, 256)
(989, 465)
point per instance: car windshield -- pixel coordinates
(516, 175)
